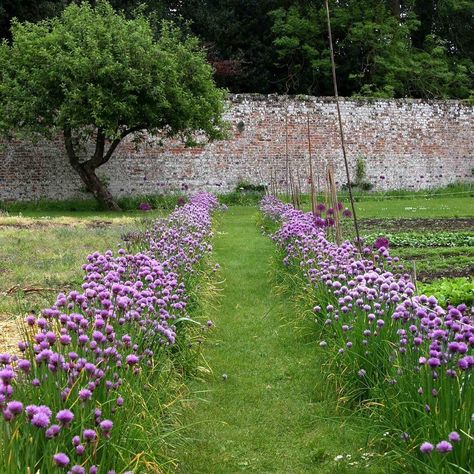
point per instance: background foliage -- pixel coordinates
(384, 48)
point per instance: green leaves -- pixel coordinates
(93, 68)
(427, 239)
(377, 54)
(453, 291)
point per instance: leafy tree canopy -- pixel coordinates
(417, 48)
(375, 50)
(92, 73)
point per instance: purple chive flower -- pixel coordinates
(15, 407)
(40, 420)
(106, 425)
(65, 416)
(85, 394)
(426, 448)
(454, 437)
(131, 359)
(65, 339)
(434, 362)
(52, 431)
(444, 447)
(77, 469)
(463, 363)
(381, 242)
(93, 470)
(119, 401)
(24, 365)
(89, 435)
(31, 410)
(30, 320)
(61, 460)
(144, 206)
(7, 375)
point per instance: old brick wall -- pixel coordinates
(411, 144)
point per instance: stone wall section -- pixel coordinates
(410, 144)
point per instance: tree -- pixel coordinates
(92, 74)
(375, 50)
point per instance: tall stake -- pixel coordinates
(311, 177)
(341, 131)
(287, 159)
(298, 192)
(333, 201)
(270, 187)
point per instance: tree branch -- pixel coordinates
(99, 158)
(71, 153)
(115, 143)
(99, 144)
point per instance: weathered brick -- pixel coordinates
(412, 144)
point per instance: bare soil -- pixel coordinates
(10, 333)
(419, 225)
(428, 276)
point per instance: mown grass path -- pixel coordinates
(269, 414)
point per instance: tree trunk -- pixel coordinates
(96, 187)
(86, 169)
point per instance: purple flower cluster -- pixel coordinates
(387, 340)
(78, 352)
(144, 206)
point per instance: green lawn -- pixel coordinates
(406, 208)
(272, 411)
(417, 208)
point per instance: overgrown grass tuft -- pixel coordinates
(129, 203)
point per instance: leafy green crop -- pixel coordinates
(426, 239)
(453, 291)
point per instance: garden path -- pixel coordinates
(269, 412)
